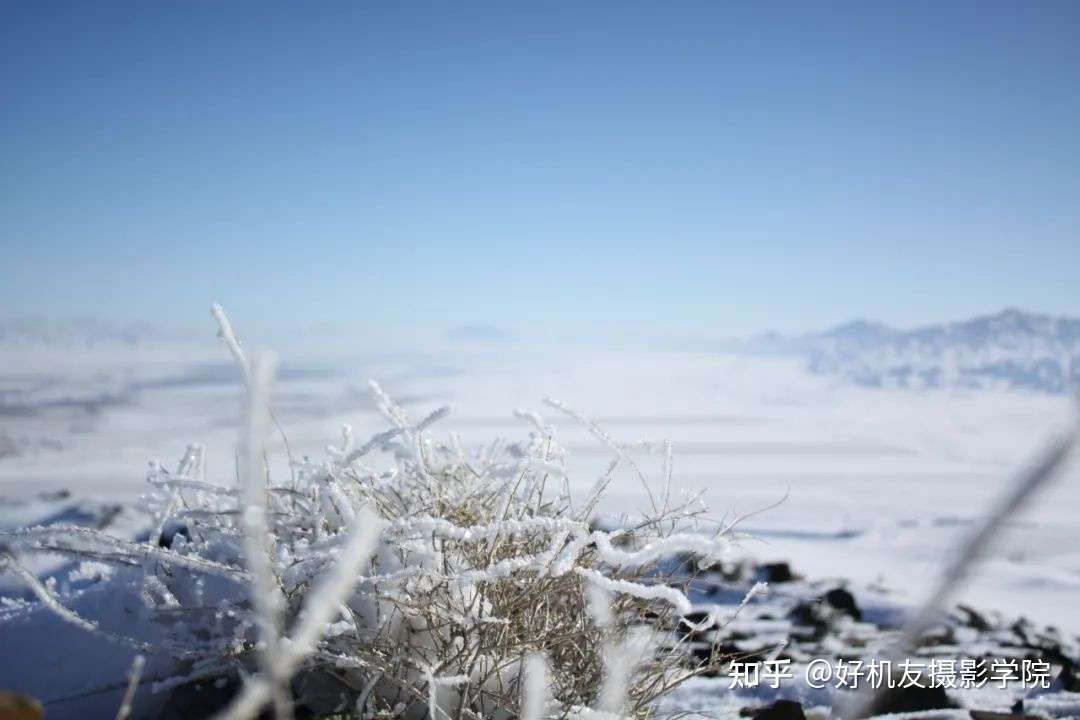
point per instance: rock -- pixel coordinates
(842, 600)
(807, 615)
(696, 617)
(939, 635)
(1068, 678)
(776, 573)
(717, 653)
(912, 699)
(1020, 630)
(817, 615)
(986, 715)
(170, 532)
(779, 710)
(19, 707)
(203, 698)
(973, 619)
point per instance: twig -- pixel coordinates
(973, 550)
(133, 684)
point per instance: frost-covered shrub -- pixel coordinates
(443, 583)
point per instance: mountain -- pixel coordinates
(1013, 349)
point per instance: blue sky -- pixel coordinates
(589, 168)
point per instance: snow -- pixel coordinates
(873, 484)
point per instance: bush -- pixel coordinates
(448, 584)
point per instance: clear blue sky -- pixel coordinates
(599, 166)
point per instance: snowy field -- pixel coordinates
(874, 486)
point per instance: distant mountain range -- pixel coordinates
(1013, 349)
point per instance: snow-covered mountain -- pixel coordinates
(1012, 349)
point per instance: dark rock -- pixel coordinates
(733, 572)
(688, 622)
(206, 698)
(203, 698)
(912, 699)
(723, 572)
(702, 651)
(695, 617)
(716, 653)
(169, 533)
(776, 573)
(817, 615)
(939, 635)
(1020, 629)
(987, 715)
(973, 619)
(779, 710)
(1068, 677)
(842, 600)
(108, 514)
(808, 615)
(1051, 652)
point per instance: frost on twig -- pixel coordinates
(265, 594)
(228, 336)
(134, 675)
(418, 577)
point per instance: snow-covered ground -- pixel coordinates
(875, 484)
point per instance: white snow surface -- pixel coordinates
(875, 483)
(867, 485)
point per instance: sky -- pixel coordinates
(586, 169)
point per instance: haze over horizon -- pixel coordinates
(87, 328)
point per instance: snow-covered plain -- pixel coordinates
(873, 485)
(854, 486)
